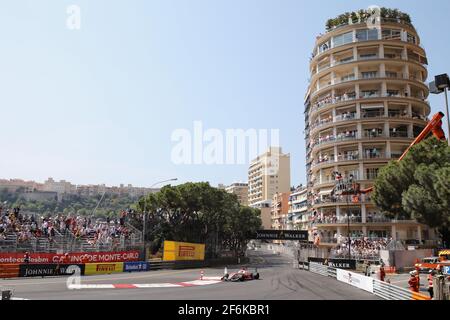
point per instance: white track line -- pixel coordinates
(193, 283)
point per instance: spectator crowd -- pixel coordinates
(360, 248)
(95, 231)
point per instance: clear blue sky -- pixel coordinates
(99, 105)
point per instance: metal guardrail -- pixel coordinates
(381, 289)
(318, 268)
(390, 292)
(332, 272)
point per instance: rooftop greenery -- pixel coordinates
(363, 15)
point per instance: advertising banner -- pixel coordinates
(73, 257)
(282, 235)
(46, 270)
(346, 264)
(180, 251)
(103, 268)
(357, 280)
(135, 266)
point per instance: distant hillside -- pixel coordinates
(111, 205)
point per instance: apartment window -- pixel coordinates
(393, 93)
(367, 34)
(369, 93)
(390, 74)
(369, 74)
(348, 77)
(343, 39)
(324, 46)
(366, 56)
(371, 173)
(411, 38)
(346, 59)
(391, 34)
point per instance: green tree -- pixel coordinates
(418, 187)
(195, 212)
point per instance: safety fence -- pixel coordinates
(379, 288)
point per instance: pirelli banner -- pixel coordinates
(103, 268)
(182, 251)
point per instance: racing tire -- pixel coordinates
(256, 276)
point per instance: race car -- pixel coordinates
(241, 275)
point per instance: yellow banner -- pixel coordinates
(176, 251)
(103, 268)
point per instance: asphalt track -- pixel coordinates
(279, 281)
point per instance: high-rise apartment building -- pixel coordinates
(298, 218)
(366, 102)
(240, 190)
(268, 174)
(279, 211)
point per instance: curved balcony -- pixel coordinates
(331, 141)
(334, 49)
(389, 78)
(366, 117)
(348, 160)
(363, 61)
(327, 103)
(339, 201)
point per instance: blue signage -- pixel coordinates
(135, 266)
(447, 270)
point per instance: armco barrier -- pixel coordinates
(318, 268)
(390, 292)
(381, 289)
(332, 272)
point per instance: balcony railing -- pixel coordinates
(345, 116)
(338, 99)
(372, 114)
(370, 176)
(348, 157)
(398, 114)
(399, 134)
(373, 135)
(372, 155)
(337, 220)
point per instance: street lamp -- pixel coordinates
(145, 210)
(441, 84)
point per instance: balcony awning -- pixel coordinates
(325, 192)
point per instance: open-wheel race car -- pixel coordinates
(241, 275)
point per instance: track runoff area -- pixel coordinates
(278, 281)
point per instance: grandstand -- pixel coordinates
(58, 234)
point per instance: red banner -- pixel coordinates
(74, 257)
